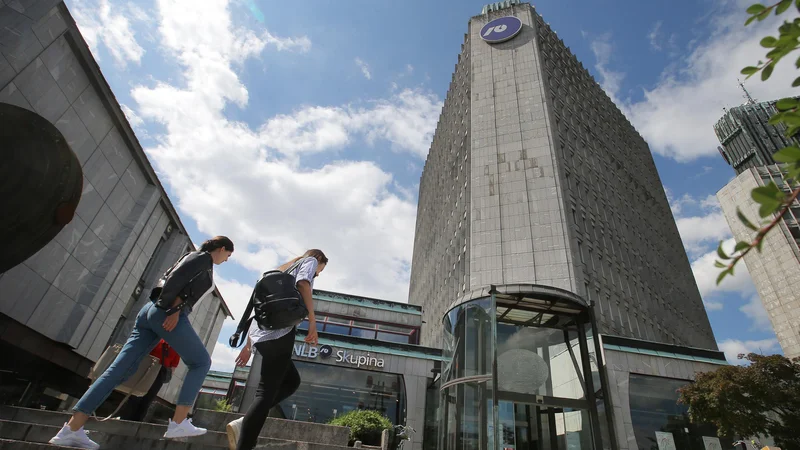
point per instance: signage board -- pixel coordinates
(712, 443)
(340, 356)
(665, 441)
(501, 30)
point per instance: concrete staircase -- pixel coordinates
(30, 429)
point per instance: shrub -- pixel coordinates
(365, 425)
(222, 405)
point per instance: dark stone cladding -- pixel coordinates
(629, 249)
(440, 265)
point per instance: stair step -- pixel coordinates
(215, 422)
(130, 437)
(7, 444)
(278, 428)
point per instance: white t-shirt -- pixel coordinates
(305, 271)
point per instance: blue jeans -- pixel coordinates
(146, 334)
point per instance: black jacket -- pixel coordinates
(189, 280)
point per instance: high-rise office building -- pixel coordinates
(747, 139)
(775, 270)
(538, 200)
(748, 143)
(535, 176)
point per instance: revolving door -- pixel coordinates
(520, 372)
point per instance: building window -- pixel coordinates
(329, 391)
(654, 408)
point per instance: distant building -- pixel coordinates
(746, 138)
(776, 269)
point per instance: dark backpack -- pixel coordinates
(275, 303)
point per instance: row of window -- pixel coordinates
(368, 330)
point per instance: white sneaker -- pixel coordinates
(233, 429)
(68, 438)
(183, 430)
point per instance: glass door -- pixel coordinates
(539, 427)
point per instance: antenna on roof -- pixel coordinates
(747, 96)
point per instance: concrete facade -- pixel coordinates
(413, 363)
(82, 291)
(776, 269)
(621, 362)
(535, 176)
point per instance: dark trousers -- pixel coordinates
(279, 380)
(136, 408)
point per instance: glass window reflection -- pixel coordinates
(337, 329)
(393, 337)
(654, 407)
(328, 391)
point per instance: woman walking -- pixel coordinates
(279, 377)
(164, 317)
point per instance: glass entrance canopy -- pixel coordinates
(520, 372)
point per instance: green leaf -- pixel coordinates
(791, 131)
(750, 20)
(749, 70)
(721, 252)
(767, 71)
(763, 15)
(755, 9)
(741, 245)
(791, 118)
(769, 197)
(745, 220)
(758, 246)
(719, 265)
(788, 155)
(783, 6)
(722, 275)
(796, 82)
(785, 104)
(769, 42)
(776, 119)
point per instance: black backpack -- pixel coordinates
(276, 302)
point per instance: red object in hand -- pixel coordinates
(171, 359)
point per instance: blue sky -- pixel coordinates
(291, 126)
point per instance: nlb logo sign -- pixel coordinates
(342, 356)
(501, 30)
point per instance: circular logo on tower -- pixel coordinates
(325, 351)
(501, 30)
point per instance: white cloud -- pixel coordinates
(676, 116)
(610, 80)
(699, 231)
(137, 13)
(703, 229)
(654, 36)
(409, 68)
(734, 347)
(364, 68)
(250, 183)
(754, 309)
(706, 276)
(100, 24)
(224, 357)
(236, 294)
(407, 120)
(136, 122)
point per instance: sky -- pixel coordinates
(289, 126)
